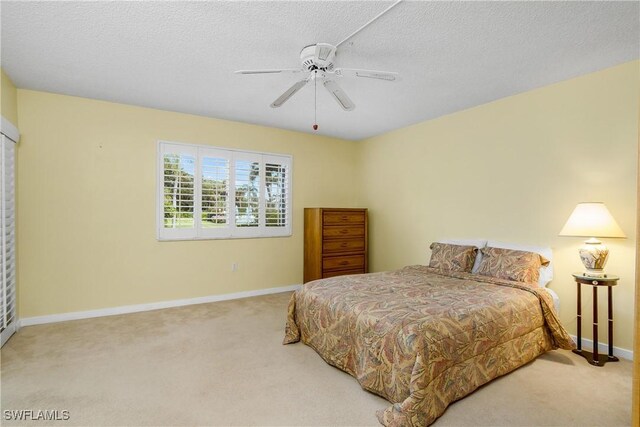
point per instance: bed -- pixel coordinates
(423, 337)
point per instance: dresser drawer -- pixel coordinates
(335, 273)
(337, 246)
(350, 262)
(343, 232)
(343, 218)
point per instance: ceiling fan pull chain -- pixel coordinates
(315, 101)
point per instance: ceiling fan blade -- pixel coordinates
(289, 93)
(341, 97)
(388, 76)
(283, 71)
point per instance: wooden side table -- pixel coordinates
(609, 281)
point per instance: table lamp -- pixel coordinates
(592, 220)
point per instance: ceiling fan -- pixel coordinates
(317, 64)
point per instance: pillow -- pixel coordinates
(546, 272)
(511, 264)
(469, 242)
(452, 257)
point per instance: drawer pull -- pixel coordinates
(345, 218)
(344, 245)
(344, 231)
(344, 263)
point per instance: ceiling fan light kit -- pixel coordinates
(317, 62)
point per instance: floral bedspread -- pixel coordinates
(423, 338)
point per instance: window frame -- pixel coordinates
(230, 231)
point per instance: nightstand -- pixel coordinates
(609, 281)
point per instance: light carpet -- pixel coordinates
(223, 364)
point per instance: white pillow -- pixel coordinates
(546, 272)
(469, 242)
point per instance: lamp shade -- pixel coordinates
(591, 219)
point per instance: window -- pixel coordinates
(217, 193)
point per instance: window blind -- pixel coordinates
(215, 192)
(7, 240)
(247, 186)
(276, 192)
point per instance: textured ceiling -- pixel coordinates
(180, 56)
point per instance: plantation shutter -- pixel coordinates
(7, 239)
(248, 178)
(215, 197)
(277, 192)
(178, 191)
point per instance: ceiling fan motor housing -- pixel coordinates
(318, 56)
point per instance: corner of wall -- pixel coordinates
(8, 99)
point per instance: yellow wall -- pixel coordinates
(514, 170)
(87, 206)
(511, 170)
(8, 98)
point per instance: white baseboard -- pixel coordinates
(603, 348)
(112, 311)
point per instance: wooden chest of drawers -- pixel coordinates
(335, 242)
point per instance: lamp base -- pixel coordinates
(594, 257)
(595, 273)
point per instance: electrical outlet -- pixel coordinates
(234, 267)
